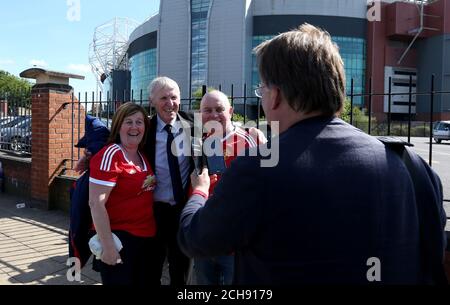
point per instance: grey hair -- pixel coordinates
(161, 82)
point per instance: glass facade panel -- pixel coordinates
(353, 53)
(199, 53)
(143, 71)
(257, 40)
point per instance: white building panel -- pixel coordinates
(227, 31)
(341, 8)
(149, 26)
(400, 82)
(229, 36)
(174, 42)
(248, 47)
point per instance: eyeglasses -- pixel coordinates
(258, 91)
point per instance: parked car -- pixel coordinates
(5, 119)
(441, 131)
(15, 135)
(9, 121)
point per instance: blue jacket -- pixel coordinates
(337, 199)
(96, 135)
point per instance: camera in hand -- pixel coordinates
(214, 163)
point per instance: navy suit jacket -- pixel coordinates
(337, 199)
(150, 144)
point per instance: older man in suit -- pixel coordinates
(170, 129)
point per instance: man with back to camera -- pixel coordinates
(295, 223)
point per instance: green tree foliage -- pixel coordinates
(239, 118)
(360, 118)
(15, 90)
(358, 114)
(11, 83)
(197, 95)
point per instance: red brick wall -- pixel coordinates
(17, 172)
(402, 17)
(396, 20)
(3, 108)
(53, 116)
(376, 43)
(60, 193)
(446, 16)
(393, 55)
(438, 8)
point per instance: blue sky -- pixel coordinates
(44, 33)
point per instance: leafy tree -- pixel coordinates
(197, 95)
(239, 118)
(360, 117)
(358, 114)
(195, 105)
(15, 90)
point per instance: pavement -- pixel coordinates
(34, 249)
(440, 159)
(33, 246)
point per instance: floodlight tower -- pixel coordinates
(108, 50)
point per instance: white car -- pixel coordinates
(441, 131)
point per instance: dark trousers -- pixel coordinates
(167, 222)
(140, 265)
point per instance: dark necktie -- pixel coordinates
(174, 167)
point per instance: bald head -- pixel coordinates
(215, 95)
(215, 106)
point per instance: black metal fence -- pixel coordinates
(15, 122)
(15, 113)
(365, 116)
(247, 107)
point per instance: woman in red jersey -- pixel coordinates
(121, 188)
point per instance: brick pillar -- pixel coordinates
(55, 123)
(3, 108)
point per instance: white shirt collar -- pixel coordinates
(160, 124)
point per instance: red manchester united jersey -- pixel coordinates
(130, 204)
(235, 143)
